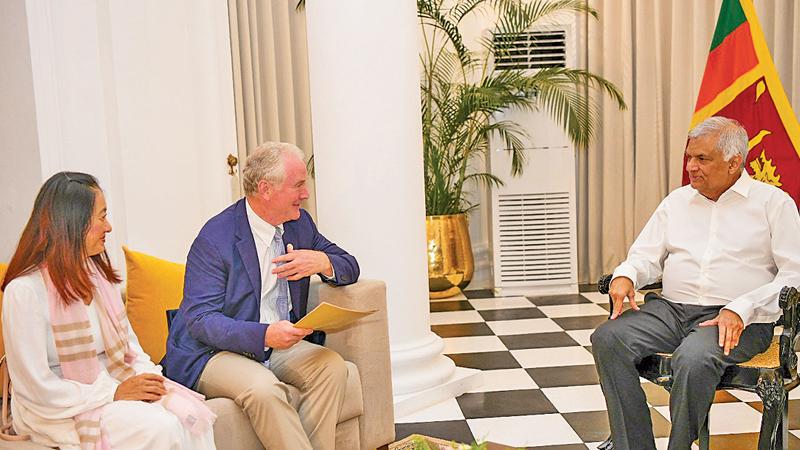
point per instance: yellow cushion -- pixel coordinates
(3, 268)
(154, 286)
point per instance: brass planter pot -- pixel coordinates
(450, 260)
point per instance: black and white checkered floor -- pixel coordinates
(541, 389)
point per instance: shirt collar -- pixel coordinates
(741, 187)
(743, 184)
(262, 230)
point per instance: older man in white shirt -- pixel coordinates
(724, 246)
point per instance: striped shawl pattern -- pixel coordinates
(75, 347)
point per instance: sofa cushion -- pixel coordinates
(232, 429)
(154, 286)
(353, 405)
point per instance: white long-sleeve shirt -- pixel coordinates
(43, 402)
(738, 251)
(263, 233)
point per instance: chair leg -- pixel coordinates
(606, 445)
(703, 436)
(783, 431)
(774, 433)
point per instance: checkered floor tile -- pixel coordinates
(541, 389)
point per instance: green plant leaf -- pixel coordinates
(431, 12)
(461, 94)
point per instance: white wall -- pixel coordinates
(75, 113)
(171, 65)
(138, 94)
(20, 171)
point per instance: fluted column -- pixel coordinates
(365, 109)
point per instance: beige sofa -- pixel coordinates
(367, 419)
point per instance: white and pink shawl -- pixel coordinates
(79, 362)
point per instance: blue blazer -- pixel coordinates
(222, 291)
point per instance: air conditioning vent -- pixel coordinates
(531, 50)
(535, 235)
(533, 216)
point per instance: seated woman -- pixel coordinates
(80, 378)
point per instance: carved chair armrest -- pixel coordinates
(604, 283)
(788, 300)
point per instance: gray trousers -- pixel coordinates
(698, 362)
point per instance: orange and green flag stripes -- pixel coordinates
(740, 82)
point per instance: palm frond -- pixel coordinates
(516, 17)
(485, 178)
(542, 9)
(430, 13)
(462, 96)
(464, 8)
(561, 91)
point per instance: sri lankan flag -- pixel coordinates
(740, 82)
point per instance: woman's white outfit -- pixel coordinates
(43, 403)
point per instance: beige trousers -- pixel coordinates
(280, 419)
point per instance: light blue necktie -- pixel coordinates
(279, 297)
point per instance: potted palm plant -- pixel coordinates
(460, 94)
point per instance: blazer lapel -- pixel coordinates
(246, 246)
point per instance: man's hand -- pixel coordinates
(730, 329)
(283, 334)
(146, 387)
(622, 288)
(302, 263)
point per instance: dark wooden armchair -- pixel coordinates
(771, 374)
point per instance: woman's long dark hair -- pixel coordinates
(55, 237)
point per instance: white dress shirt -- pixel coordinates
(263, 233)
(738, 251)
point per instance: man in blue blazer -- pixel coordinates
(247, 278)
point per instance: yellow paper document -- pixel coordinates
(330, 317)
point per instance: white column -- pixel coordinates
(365, 109)
(19, 144)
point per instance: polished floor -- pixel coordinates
(541, 389)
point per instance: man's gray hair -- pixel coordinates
(266, 163)
(731, 136)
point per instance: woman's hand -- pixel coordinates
(146, 387)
